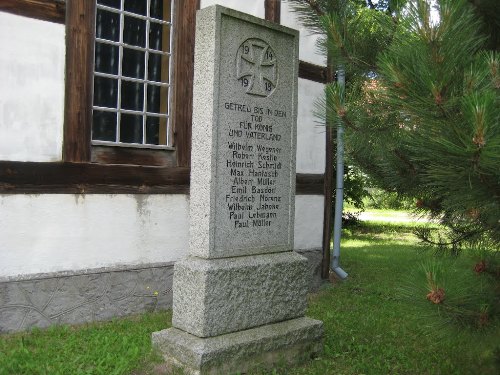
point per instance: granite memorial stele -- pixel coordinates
(241, 293)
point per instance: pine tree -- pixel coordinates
(438, 90)
(422, 109)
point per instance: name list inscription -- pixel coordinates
(255, 164)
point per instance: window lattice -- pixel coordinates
(132, 73)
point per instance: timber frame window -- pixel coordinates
(151, 166)
(122, 95)
(154, 163)
(132, 73)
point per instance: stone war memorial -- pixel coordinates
(241, 293)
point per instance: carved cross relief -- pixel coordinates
(256, 67)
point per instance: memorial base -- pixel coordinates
(285, 343)
(213, 297)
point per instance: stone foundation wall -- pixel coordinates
(79, 297)
(99, 294)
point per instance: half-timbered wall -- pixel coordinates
(32, 89)
(93, 234)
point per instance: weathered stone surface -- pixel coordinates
(213, 297)
(72, 297)
(290, 342)
(244, 135)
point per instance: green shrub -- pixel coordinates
(386, 200)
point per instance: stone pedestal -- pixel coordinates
(236, 314)
(286, 343)
(218, 296)
(240, 296)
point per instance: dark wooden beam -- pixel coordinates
(45, 10)
(133, 156)
(273, 10)
(80, 30)
(88, 178)
(82, 178)
(309, 184)
(313, 72)
(327, 211)
(185, 23)
(328, 192)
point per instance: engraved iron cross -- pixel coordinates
(256, 67)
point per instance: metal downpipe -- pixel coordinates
(339, 189)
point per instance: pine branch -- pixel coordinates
(315, 7)
(349, 123)
(464, 235)
(405, 160)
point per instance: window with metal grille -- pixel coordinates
(132, 73)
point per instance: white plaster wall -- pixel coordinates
(48, 233)
(62, 232)
(307, 43)
(308, 222)
(253, 7)
(311, 136)
(32, 90)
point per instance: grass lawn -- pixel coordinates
(371, 326)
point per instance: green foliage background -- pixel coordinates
(421, 105)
